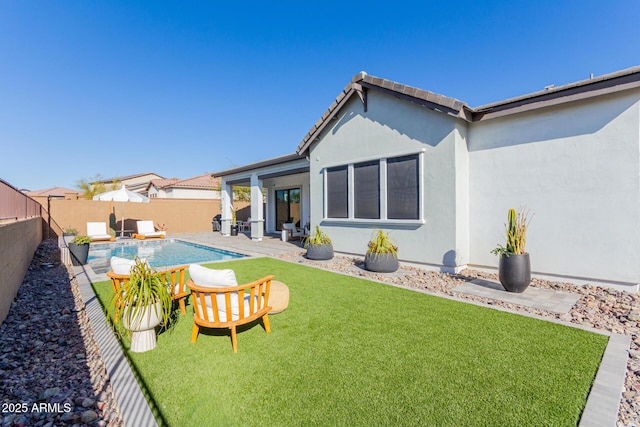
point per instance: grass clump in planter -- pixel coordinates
(319, 245)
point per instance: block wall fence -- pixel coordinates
(18, 242)
(178, 215)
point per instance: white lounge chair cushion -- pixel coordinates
(97, 230)
(147, 229)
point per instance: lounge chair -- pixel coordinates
(294, 233)
(98, 231)
(219, 302)
(147, 230)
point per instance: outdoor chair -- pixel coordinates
(174, 277)
(98, 231)
(219, 302)
(294, 233)
(146, 230)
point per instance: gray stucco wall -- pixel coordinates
(576, 166)
(392, 127)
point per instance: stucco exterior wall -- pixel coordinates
(18, 242)
(576, 167)
(389, 128)
(191, 193)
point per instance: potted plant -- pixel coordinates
(382, 254)
(79, 248)
(514, 269)
(318, 245)
(143, 303)
(234, 224)
(70, 231)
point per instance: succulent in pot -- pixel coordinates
(79, 248)
(318, 245)
(382, 253)
(514, 269)
(143, 302)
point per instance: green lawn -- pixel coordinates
(351, 352)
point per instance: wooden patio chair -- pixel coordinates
(174, 277)
(218, 302)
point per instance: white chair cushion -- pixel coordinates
(121, 265)
(145, 227)
(97, 229)
(210, 278)
(235, 311)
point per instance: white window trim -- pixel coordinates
(383, 192)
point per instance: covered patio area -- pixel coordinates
(279, 190)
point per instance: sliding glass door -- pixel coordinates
(287, 207)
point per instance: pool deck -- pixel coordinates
(601, 408)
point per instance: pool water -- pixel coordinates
(158, 253)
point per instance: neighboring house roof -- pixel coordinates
(129, 177)
(200, 182)
(551, 95)
(53, 192)
(161, 183)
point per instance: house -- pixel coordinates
(137, 182)
(440, 175)
(55, 192)
(199, 187)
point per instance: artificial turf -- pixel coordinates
(352, 352)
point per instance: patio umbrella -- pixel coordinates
(122, 195)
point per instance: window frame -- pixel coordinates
(382, 172)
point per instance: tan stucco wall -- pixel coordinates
(18, 242)
(179, 215)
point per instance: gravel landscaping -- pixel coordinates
(51, 370)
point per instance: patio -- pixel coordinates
(602, 309)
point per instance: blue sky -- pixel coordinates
(183, 88)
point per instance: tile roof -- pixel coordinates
(608, 83)
(53, 191)
(124, 178)
(204, 181)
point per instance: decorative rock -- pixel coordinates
(44, 353)
(88, 403)
(88, 417)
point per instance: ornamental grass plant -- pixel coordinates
(318, 237)
(381, 243)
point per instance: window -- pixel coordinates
(402, 188)
(382, 189)
(366, 190)
(337, 193)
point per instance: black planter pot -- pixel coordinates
(320, 252)
(79, 253)
(380, 263)
(234, 230)
(515, 272)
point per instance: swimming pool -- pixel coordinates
(158, 253)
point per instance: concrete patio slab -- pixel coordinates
(544, 299)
